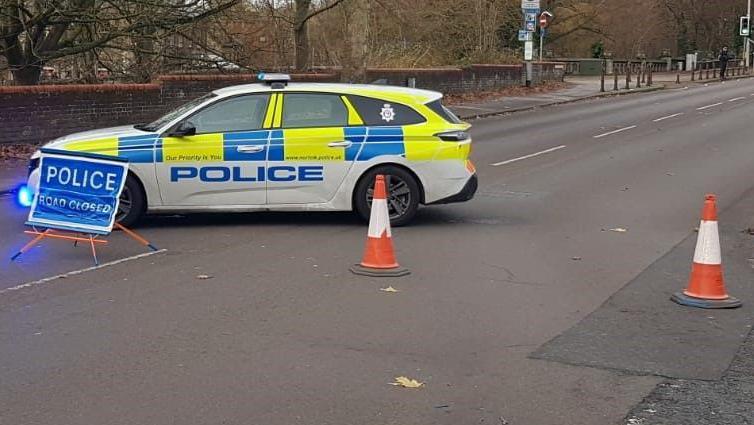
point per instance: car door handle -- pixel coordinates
(345, 144)
(250, 148)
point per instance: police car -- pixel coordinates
(280, 146)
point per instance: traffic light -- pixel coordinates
(745, 29)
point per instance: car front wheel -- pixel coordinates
(132, 203)
(403, 195)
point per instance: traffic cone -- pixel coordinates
(379, 256)
(706, 288)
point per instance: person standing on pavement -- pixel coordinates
(723, 58)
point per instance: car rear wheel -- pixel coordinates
(132, 202)
(403, 195)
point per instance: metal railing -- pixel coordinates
(641, 73)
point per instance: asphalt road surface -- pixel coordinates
(282, 333)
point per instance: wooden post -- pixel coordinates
(628, 75)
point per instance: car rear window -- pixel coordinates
(446, 114)
(376, 112)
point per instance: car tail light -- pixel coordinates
(453, 136)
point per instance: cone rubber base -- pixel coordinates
(686, 300)
(369, 271)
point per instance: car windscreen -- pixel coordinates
(172, 115)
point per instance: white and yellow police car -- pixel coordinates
(280, 146)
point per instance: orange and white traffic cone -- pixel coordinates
(706, 288)
(379, 256)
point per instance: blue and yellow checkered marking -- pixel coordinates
(231, 142)
(276, 148)
(138, 149)
(367, 143)
(382, 141)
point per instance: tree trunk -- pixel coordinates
(301, 34)
(27, 75)
(355, 63)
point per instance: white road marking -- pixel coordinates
(599, 136)
(668, 117)
(556, 148)
(709, 106)
(736, 99)
(77, 272)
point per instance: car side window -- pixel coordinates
(376, 112)
(240, 113)
(313, 110)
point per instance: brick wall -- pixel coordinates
(35, 114)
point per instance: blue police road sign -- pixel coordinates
(78, 191)
(524, 35)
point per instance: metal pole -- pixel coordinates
(746, 39)
(541, 42)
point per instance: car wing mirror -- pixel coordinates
(186, 128)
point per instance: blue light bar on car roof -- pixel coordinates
(274, 78)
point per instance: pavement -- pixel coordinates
(12, 173)
(280, 332)
(579, 88)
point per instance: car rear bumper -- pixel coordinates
(466, 194)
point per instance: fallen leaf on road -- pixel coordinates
(669, 174)
(576, 258)
(619, 230)
(203, 277)
(389, 289)
(405, 382)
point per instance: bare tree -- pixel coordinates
(34, 32)
(302, 14)
(357, 46)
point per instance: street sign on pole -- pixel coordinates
(529, 4)
(529, 50)
(524, 35)
(544, 22)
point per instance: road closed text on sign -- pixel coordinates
(78, 192)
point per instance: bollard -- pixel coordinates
(615, 78)
(649, 77)
(602, 76)
(708, 71)
(693, 72)
(638, 76)
(628, 75)
(678, 78)
(714, 72)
